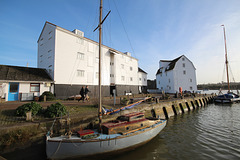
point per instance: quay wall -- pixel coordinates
(167, 108)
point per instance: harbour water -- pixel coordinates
(211, 133)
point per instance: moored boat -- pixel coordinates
(229, 97)
(125, 133)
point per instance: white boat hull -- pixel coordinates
(63, 147)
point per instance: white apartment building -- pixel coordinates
(72, 60)
(173, 74)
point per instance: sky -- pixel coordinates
(151, 30)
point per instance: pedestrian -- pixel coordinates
(82, 93)
(86, 93)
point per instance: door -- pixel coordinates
(13, 92)
(111, 90)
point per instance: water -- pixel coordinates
(211, 133)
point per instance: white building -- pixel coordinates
(173, 74)
(72, 61)
(23, 83)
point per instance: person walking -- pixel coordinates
(86, 93)
(82, 93)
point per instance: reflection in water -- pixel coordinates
(212, 132)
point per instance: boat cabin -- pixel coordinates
(125, 124)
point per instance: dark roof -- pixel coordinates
(140, 70)
(23, 73)
(172, 64)
(158, 71)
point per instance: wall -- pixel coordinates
(46, 49)
(183, 80)
(24, 87)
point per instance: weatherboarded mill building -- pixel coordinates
(173, 74)
(72, 61)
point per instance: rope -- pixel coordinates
(125, 29)
(57, 148)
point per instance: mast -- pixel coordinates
(99, 69)
(226, 62)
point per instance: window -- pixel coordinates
(34, 87)
(111, 63)
(97, 75)
(158, 82)
(191, 88)
(111, 75)
(122, 78)
(131, 68)
(190, 80)
(140, 79)
(80, 55)
(97, 59)
(183, 59)
(13, 87)
(80, 41)
(80, 73)
(144, 79)
(183, 65)
(41, 42)
(184, 72)
(131, 79)
(169, 80)
(49, 66)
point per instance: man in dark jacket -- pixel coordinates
(82, 93)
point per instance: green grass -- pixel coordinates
(82, 110)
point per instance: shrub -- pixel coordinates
(55, 110)
(49, 96)
(33, 106)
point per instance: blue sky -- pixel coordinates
(150, 29)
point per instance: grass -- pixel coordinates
(82, 110)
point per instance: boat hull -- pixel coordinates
(75, 147)
(227, 98)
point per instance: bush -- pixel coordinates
(49, 96)
(33, 106)
(56, 110)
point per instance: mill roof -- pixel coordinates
(140, 70)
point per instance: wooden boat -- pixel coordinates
(126, 132)
(229, 97)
